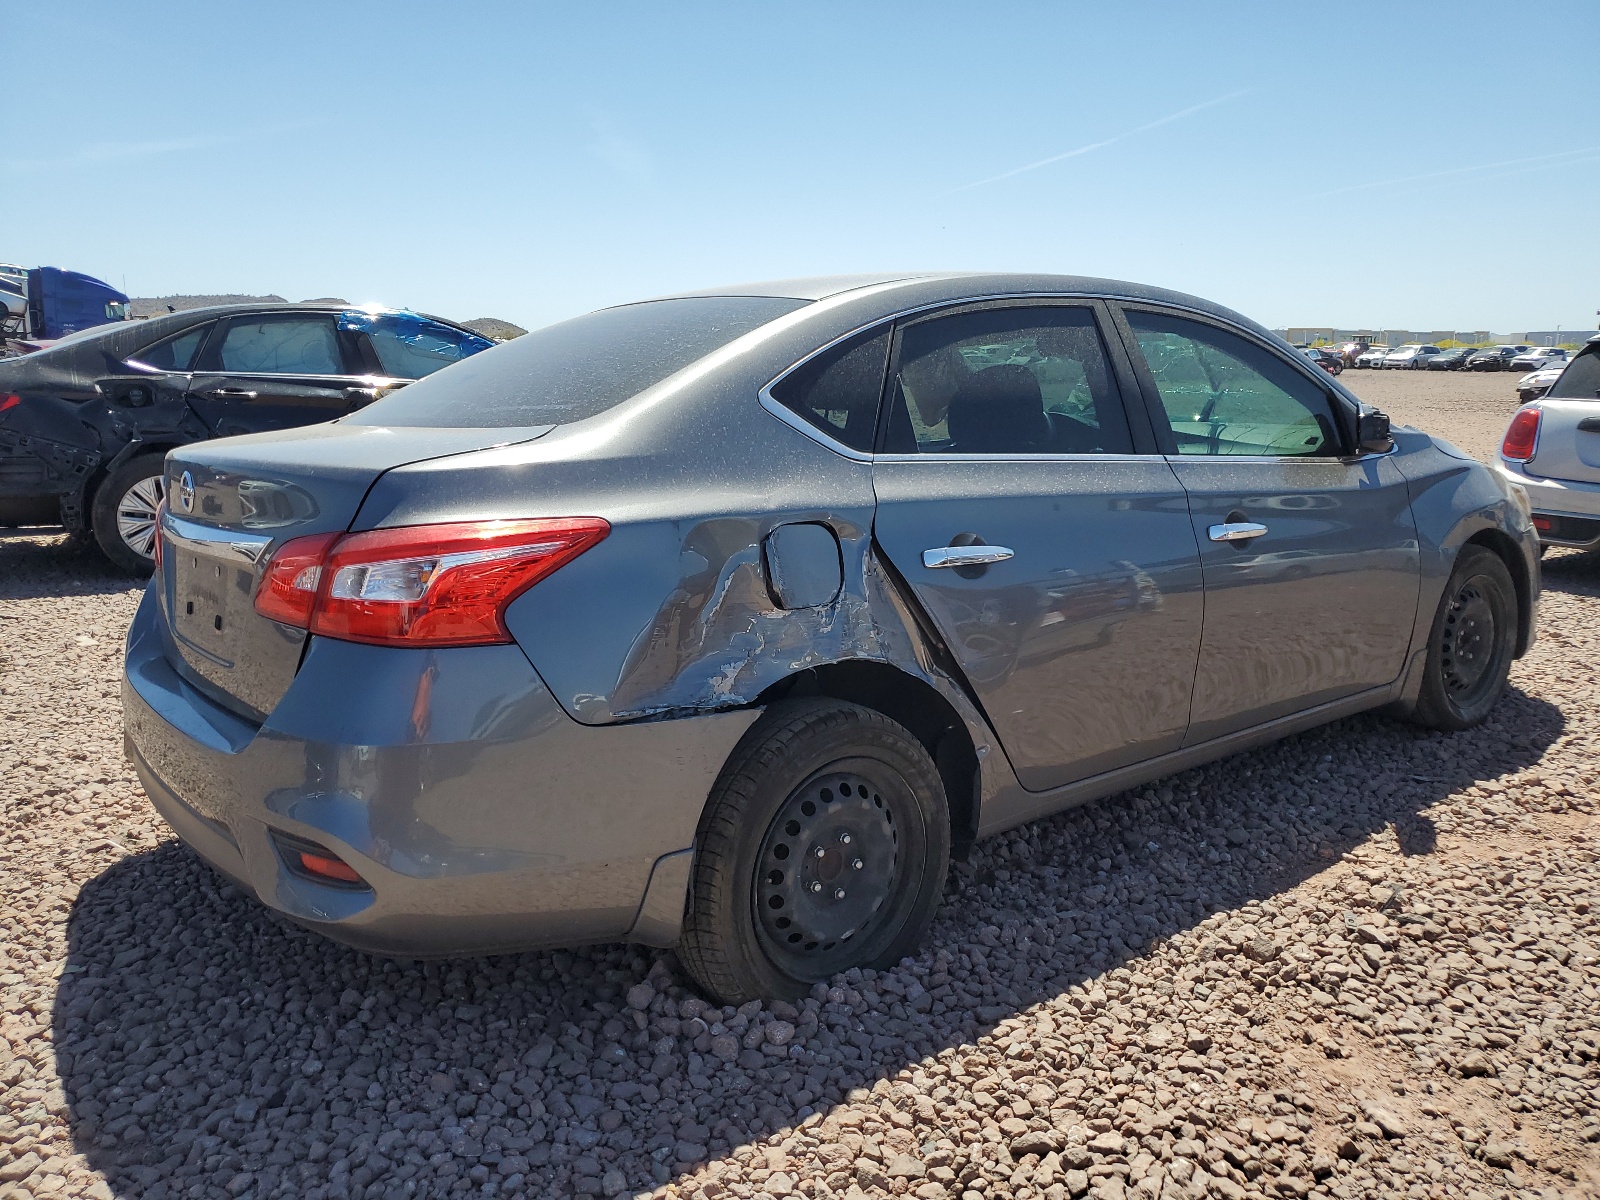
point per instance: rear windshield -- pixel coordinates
(1581, 379)
(577, 369)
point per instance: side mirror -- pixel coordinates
(1372, 431)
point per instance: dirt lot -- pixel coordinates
(1361, 962)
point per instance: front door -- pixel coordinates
(1309, 551)
(275, 371)
(1056, 560)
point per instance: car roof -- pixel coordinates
(916, 288)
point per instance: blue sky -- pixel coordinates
(1424, 166)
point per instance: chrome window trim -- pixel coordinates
(949, 457)
(206, 539)
(795, 421)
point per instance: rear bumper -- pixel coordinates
(1573, 507)
(484, 819)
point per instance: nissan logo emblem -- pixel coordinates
(185, 492)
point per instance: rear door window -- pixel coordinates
(1224, 395)
(1011, 380)
(280, 344)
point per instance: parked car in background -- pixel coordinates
(1410, 357)
(1552, 451)
(1536, 383)
(722, 621)
(1450, 360)
(1326, 359)
(1372, 357)
(1538, 357)
(1494, 358)
(85, 424)
(1351, 351)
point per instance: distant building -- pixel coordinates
(1558, 337)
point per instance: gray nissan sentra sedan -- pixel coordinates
(723, 620)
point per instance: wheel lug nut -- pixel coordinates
(816, 885)
(838, 893)
(818, 852)
(845, 838)
(857, 863)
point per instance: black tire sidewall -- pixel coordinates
(103, 512)
(835, 731)
(1437, 707)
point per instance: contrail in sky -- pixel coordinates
(1509, 162)
(1092, 146)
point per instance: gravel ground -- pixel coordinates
(1360, 962)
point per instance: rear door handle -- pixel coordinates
(1236, 531)
(232, 393)
(965, 556)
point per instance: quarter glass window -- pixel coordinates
(1224, 395)
(176, 353)
(838, 390)
(1006, 381)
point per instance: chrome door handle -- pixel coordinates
(1236, 531)
(965, 556)
(232, 393)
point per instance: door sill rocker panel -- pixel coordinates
(1014, 806)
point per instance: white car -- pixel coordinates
(1552, 451)
(1373, 357)
(1538, 357)
(1410, 357)
(1536, 383)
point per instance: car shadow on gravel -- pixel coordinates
(207, 1048)
(45, 562)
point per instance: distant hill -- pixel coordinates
(494, 327)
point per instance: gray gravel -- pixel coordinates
(1362, 962)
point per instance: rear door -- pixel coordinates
(1044, 536)
(1309, 551)
(275, 371)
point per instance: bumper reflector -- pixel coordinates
(329, 867)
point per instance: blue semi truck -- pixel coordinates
(44, 304)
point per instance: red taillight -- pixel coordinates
(329, 867)
(1521, 436)
(9, 401)
(1543, 524)
(288, 590)
(421, 585)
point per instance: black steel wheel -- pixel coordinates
(1472, 644)
(824, 846)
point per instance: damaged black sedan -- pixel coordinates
(85, 425)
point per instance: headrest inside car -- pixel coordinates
(999, 411)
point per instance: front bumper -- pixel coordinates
(484, 819)
(1571, 507)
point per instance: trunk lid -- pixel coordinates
(1569, 441)
(233, 502)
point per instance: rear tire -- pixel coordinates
(1471, 645)
(124, 511)
(824, 846)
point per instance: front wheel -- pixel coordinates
(124, 513)
(824, 847)
(1472, 643)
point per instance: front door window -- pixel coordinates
(1226, 396)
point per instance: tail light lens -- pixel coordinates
(1522, 435)
(421, 585)
(9, 401)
